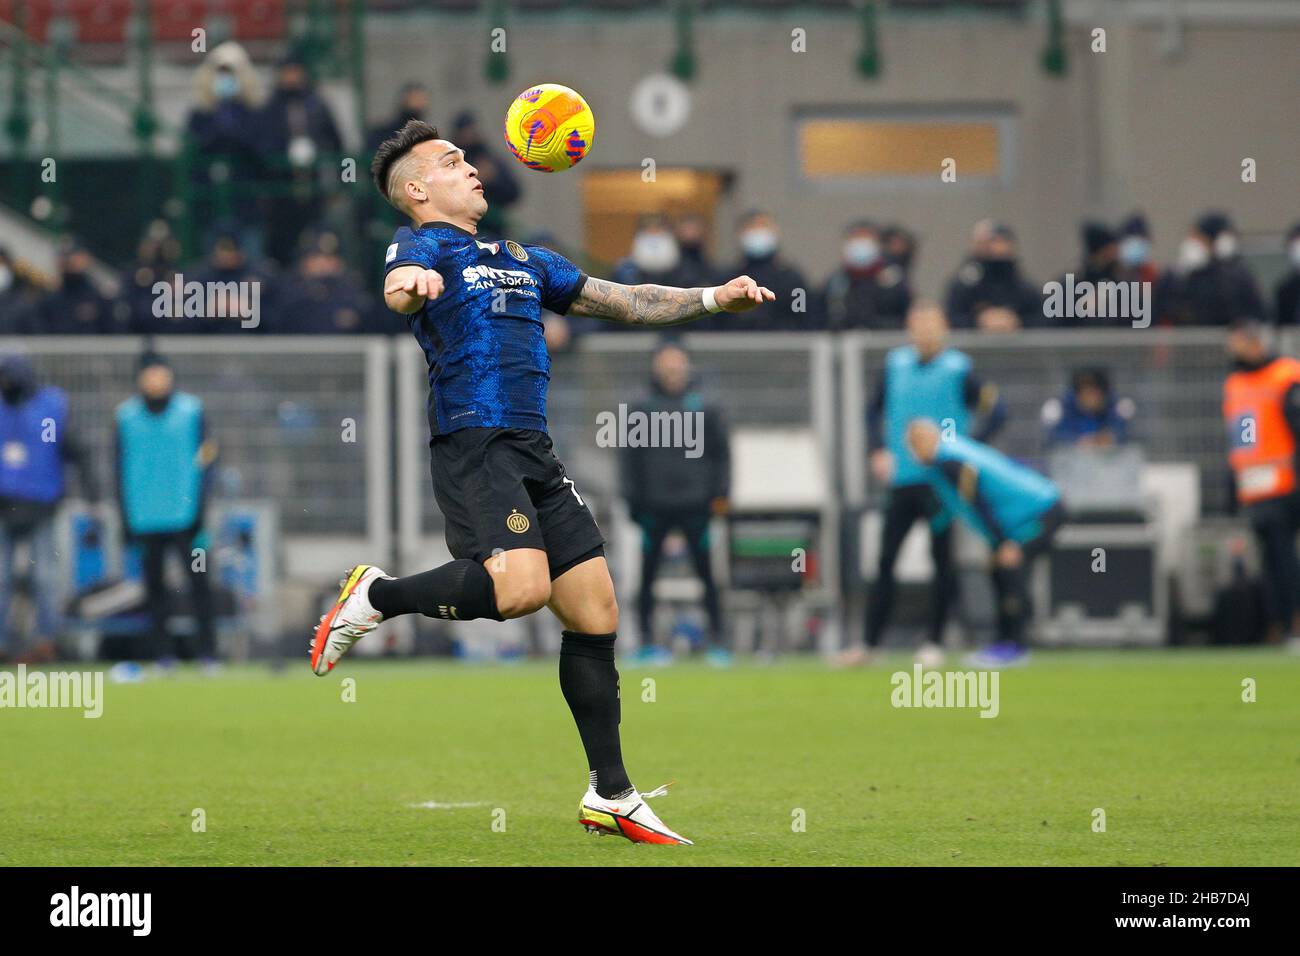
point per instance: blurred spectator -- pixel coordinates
(19, 300)
(1134, 253)
(223, 128)
(412, 104)
(760, 258)
(323, 297)
(867, 291)
(1135, 264)
(228, 263)
(1287, 294)
(1100, 263)
(1261, 410)
(156, 259)
(500, 188)
(900, 248)
(988, 292)
(1212, 286)
(36, 446)
(298, 131)
(667, 489)
(163, 465)
(77, 305)
(655, 255)
(1088, 413)
(692, 233)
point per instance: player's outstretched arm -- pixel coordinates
(406, 288)
(664, 305)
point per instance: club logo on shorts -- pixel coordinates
(517, 523)
(516, 250)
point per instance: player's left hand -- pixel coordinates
(741, 294)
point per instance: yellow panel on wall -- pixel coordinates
(613, 200)
(847, 148)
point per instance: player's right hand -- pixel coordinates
(422, 284)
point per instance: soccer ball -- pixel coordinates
(549, 127)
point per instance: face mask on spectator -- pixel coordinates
(225, 86)
(758, 243)
(1225, 245)
(861, 253)
(1192, 254)
(1134, 251)
(655, 251)
(1294, 253)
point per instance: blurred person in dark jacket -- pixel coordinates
(678, 488)
(500, 187)
(324, 298)
(156, 261)
(412, 103)
(36, 447)
(989, 292)
(1136, 264)
(298, 135)
(229, 263)
(695, 269)
(164, 459)
(226, 159)
(77, 305)
(19, 298)
(1099, 263)
(760, 259)
(1212, 285)
(867, 291)
(1088, 413)
(899, 245)
(1287, 294)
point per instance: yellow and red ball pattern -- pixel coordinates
(549, 127)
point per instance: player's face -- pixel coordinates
(673, 370)
(927, 327)
(451, 184)
(155, 381)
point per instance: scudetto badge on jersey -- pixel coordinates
(516, 250)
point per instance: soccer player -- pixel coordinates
(1014, 508)
(923, 378)
(519, 531)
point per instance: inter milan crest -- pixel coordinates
(516, 250)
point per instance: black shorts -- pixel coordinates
(503, 488)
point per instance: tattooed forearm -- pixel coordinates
(639, 304)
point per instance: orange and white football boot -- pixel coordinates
(629, 817)
(351, 618)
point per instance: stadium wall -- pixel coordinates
(1129, 127)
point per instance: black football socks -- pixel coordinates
(589, 682)
(460, 590)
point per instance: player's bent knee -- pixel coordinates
(516, 598)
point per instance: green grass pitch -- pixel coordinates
(287, 773)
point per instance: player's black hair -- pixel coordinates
(395, 147)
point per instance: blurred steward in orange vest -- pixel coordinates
(1261, 408)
